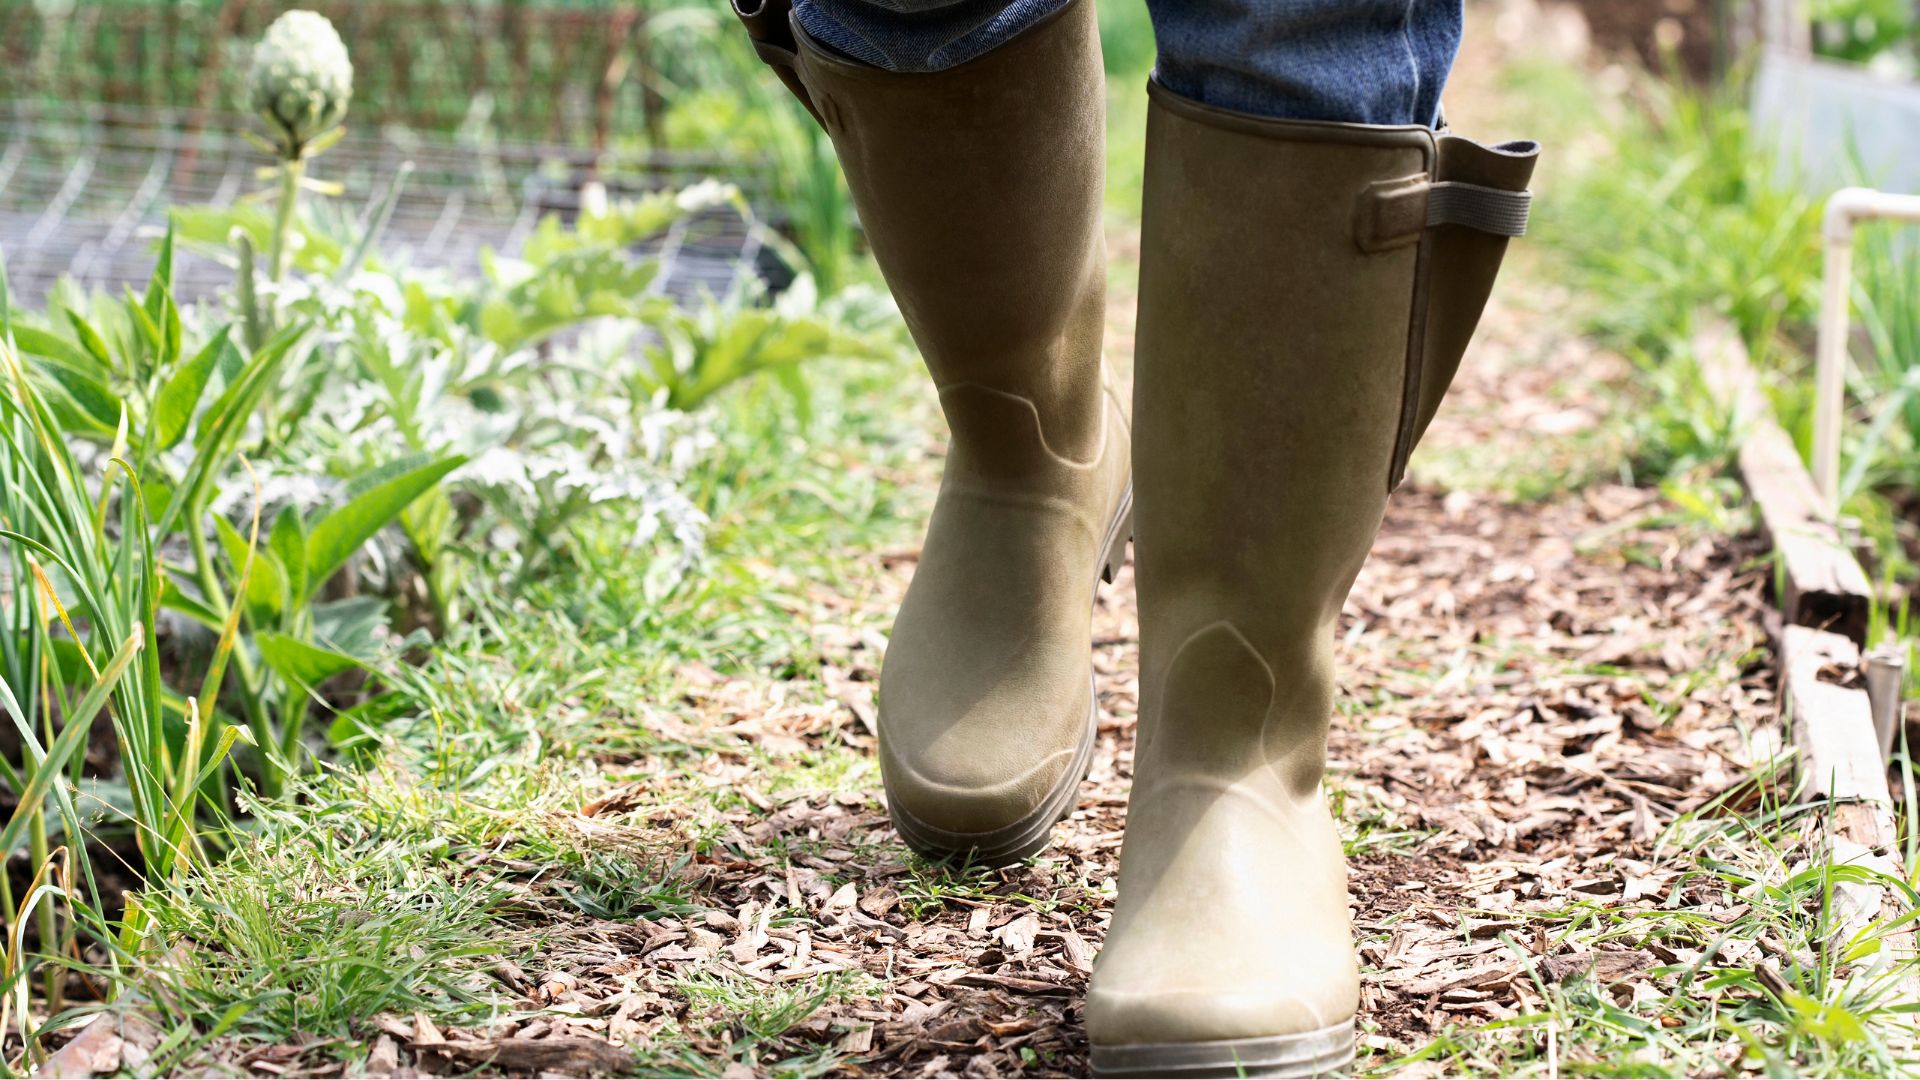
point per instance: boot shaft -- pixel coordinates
(980, 189)
(1306, 292)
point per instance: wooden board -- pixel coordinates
(1832, 720)
(1825, 597)
(1822, 584)
(1823, 694)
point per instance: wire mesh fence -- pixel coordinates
(572, 71)
(84, 189)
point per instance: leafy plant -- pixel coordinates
(751, 114)
(81, 587)
(300, 85)
(1862, 30)
(702, 350)
(184, 410)
(1689, 215)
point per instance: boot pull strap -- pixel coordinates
(769, 26)
(1476, 206)
(1394, 213)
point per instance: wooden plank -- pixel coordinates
(1822, 585)
(1832, 719)
(1825, 596)
(1823, 692)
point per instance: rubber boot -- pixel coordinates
(1306, 292)
(981, 191)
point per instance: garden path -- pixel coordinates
(1542, 667)
(1532, 689)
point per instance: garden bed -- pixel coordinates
(604, 800)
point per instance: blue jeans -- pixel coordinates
(1356, 61)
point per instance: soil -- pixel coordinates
(1531, 691)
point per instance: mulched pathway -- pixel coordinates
(1531, 693)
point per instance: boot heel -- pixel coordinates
(1114, 556)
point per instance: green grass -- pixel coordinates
(1671, 205)
(450, 839)
(332, 917)
(446, 845)
(1757, 986)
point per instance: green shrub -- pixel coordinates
(1685, 215)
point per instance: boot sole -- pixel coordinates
(1027, 837)
(1325, 1052)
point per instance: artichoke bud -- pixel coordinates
(302, 79)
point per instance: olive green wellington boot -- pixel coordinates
(1306, 292)
(981, 192)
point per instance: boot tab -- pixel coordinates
(1484, 187)
(1394, 213)
(1391, 213)
(1507, 165)
(1477, 202)
(1484, 209)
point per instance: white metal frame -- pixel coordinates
(1845, 209)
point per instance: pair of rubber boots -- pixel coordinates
(1306, 293)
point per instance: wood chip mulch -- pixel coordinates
(1531, 693)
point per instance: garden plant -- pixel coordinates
(474, 669)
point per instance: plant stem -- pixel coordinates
(256, 323)
(271, 780)
(44, 914)
(292, 171)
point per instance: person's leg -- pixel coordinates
(1353, 61)
(980, 188)
(918, 35)
(1307, 288)
(1357, 61)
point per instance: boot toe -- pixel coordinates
(1175, 1014)
(1234, 926)
(994, 809)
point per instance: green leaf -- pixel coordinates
(174, 599)
(159, 303)
(382, 473)
(355, 625)
(161, 283)
(235, 403)
(173, 409)
(51, 346)
(91, 341)
(72, 739)
(300, 663)
(93, 404)
(149, 328)
(266, 581)
(337, 536)
(288, 542)
(170, 327)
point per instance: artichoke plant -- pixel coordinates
(300, 85)
(302, 80)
